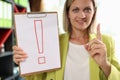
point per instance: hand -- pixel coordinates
(18, 55)
(97, 49)
(98, 52)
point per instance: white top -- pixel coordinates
(77, 63)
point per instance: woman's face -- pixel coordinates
(80, 14)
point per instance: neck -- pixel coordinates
(79, 37)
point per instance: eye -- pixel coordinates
(75, 10)
(87, 10)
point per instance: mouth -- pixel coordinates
(81, 22)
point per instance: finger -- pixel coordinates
(16, 48)
(20, 53)
(95, 52)
(96, 46)
(86, 46)
(89, 45)
(98, 32)
(18, 58)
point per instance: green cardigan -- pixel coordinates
(95, 72)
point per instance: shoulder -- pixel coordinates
(63, 35)
(109, 42)
(107, 38)
(64, 38)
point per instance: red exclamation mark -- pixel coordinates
(39, 40)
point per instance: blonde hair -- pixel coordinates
(66, 21)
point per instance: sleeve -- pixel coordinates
(115, 65)
(39, 76)
(115, 73)
(111, 56)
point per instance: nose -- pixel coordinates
(82, 14)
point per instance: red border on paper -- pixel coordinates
(37, 36)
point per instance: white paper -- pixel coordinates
(38, 37)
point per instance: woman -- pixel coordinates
(85, 55)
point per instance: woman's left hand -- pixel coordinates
(97, 50)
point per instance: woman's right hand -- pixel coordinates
(18, 55)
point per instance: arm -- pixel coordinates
(115, 66)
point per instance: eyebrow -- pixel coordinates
(84, 6)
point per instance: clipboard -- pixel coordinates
(37, 34)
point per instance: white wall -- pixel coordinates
(108, 16)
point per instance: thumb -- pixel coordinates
(87, 46)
